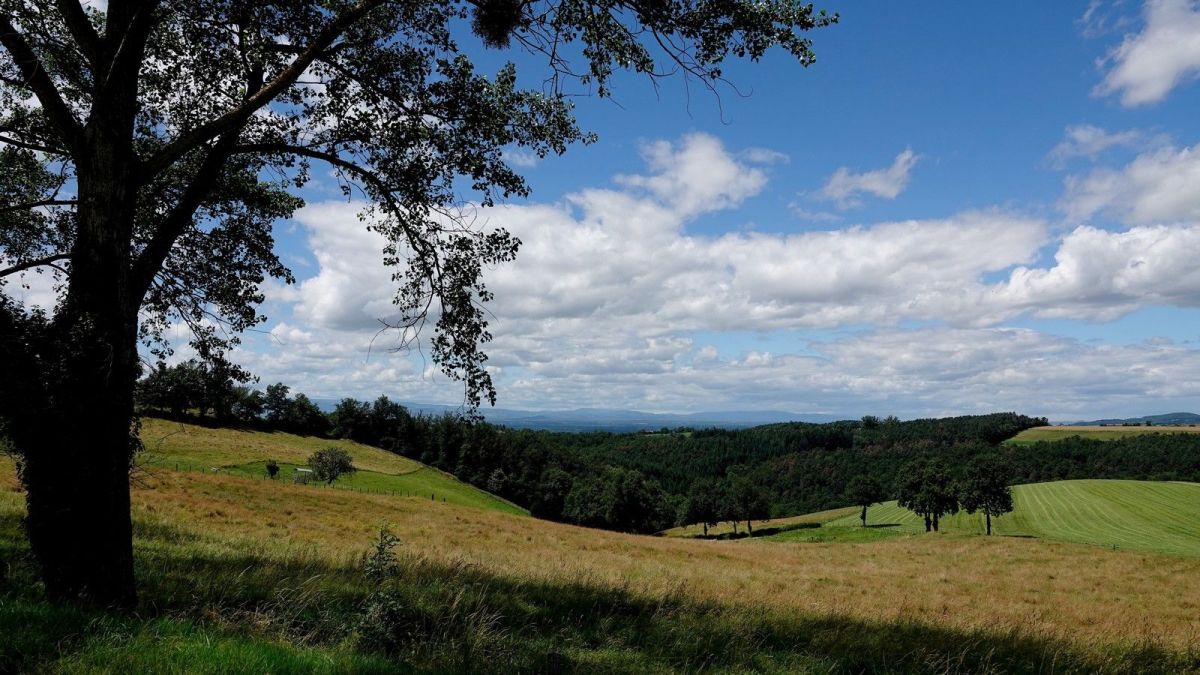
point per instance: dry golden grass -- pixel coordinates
(819, 517)
(1083, 595)
(166, 441)
(1070, 592)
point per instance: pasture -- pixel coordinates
(183, 446)
(1030, 436)
(243, 574)
(1141, 515)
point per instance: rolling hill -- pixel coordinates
(183, 446)
(242, 574)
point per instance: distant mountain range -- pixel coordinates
(1168, 419)
(602, 419)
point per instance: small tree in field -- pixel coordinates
(329, 464)
(984, 487)
(272, 469)
(864, 491)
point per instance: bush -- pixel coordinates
(329, 464)
(272, 469)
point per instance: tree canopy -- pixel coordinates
(148, 147)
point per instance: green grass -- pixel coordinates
(423, 483)
(1031, 436)
(243, 452)
(1141, 515)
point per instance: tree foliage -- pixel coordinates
(985, 487)
(329, 464)
(149, 146)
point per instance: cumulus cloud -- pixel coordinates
(697, 175)
(1159, 185)
(1086, 140)
(610, 293)
(1147, 65)
(846, 187)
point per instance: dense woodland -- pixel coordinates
(646, 482)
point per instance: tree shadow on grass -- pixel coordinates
(459, 617)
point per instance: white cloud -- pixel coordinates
(610, 293)
(1086, 140)
(696, 175)
(1103, 275)
(1146, 66)
(845, 187)
(1156, 186)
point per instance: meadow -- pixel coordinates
(1030, 436)
(1141, 515)
(242, 574)
(183, 446)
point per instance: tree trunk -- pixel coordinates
(749, 528)
(928, 523)
(935, 522)
(864, 515)
(76, 447)
(988, 517)
(735, 527)
(706, 529)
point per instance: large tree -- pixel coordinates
(148, 146)
(925, 487)
(984, 487)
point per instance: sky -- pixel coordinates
(960, 208)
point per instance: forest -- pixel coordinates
(649, 481)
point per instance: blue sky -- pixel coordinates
(962, 207)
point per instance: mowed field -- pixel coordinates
(1036, 434)
(1142, 515)
(181, 446)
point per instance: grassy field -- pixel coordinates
(1141, 515)
(240, 574)
(1030, 436)
(177, 445)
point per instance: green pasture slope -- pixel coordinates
(1144, 515)
(237, 452)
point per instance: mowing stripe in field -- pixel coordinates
(1143, 515)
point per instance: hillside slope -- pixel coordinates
(182, 446)
(1141, 515)
(240, 574)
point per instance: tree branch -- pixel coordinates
(33, 146)
(39, 81)
(234, 118)
(33, 205)
(81, 29)
(148, 263)
(39, 262)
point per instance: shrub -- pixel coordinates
(329, 464)
(272, 468)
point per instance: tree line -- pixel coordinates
(647, 482)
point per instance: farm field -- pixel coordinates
(1036, 434)
(178, 445)
(1142, 515)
